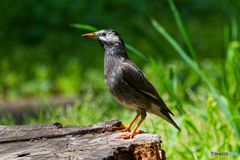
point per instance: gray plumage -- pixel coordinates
(125, 81)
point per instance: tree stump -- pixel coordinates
(96, 141)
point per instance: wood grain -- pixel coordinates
(96, 141)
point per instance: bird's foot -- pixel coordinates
(125, 128)
(125, 136)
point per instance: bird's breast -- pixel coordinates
(113, 77)
(112, 70)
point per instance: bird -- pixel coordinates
(127, 83)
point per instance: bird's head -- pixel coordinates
(110, 40)
(105, 36)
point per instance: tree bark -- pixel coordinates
(96, 141)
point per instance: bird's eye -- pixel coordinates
(104, 34)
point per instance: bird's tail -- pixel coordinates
(164, 114)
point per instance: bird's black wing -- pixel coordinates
(135, 78)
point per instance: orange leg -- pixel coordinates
(134, 131)
(130, 124)
(127, 128)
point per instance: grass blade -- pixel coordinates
(194, 66)
(83, 26)
(173, 79)
(182, 30)
(187, 121)
(197, 110)
(167, 85)
(236, 4)
(234, 29)
(50, 108)
(41, 113)
(139, 54)
(226, 37)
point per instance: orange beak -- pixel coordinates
(91, 35)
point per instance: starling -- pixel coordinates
(127, 83)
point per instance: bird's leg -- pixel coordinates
(142, 112)
(130, 124)
(127, 128)
(134, 131)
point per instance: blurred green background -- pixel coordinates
(48, 72)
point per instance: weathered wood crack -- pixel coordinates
(96, 141)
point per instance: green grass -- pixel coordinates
(205, 127)
(203, 94)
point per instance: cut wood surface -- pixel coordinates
(96, 141)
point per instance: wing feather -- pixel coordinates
(135, 78)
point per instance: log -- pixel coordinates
(96, 141)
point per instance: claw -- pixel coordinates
(125, 128)
(125, 136)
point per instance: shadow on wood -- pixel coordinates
(96, 141)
